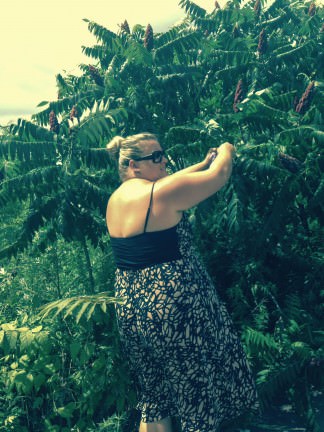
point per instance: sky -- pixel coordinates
(41, 38)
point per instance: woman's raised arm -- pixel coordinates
(187, 188)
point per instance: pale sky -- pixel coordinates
(41, 38)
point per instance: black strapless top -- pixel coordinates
(146, 249)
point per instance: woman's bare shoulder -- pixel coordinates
(129, 191)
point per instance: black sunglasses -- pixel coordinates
(155, 156)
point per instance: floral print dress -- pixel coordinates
(181, 344)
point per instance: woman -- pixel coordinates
(177, 334)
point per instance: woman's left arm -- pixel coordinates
(200, 166)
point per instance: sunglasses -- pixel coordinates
(155, 156)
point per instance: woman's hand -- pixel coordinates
(213, 152)
(210, 157)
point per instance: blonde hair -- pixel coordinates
(125, 149)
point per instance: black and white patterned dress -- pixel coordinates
(181, 344)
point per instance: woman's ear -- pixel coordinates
(134, 166)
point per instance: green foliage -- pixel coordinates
(53, 381)
(261, 236)
(86, 305)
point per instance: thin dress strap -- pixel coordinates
(149, 208)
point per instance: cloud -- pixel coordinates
(14, 111)
(44, 38)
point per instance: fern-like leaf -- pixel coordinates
(179, 46)
(107, 37)
(271, 381)
(192, 8)
(233, 209)
(258, 340)
(37, 150)
(70, 305)
(28, 131)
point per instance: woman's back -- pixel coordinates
(128, 207)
